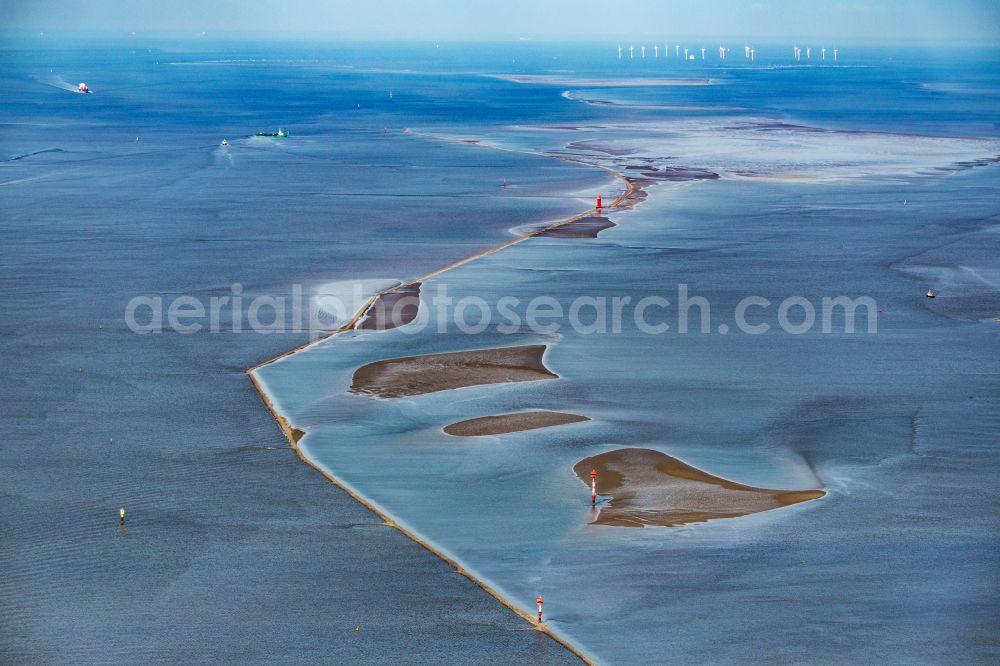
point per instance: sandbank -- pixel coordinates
(648, 487)
(415, 375)
(500, 424)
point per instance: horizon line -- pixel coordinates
(39, 34)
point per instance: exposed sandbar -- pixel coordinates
(637, 194)
(651, 488)
(585, 227)
(783, 177)
(577, 96)
(415, 375)
(679, 174)
(513, 422)
(391, 309)
(590, 144)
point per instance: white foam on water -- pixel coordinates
(337, 302)
(764, 148)
(57, 81)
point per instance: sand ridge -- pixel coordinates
(429, 373)
(392, 308)
(500, 424)
(648, 487)
(586, 227)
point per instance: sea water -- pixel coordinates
(895, 563)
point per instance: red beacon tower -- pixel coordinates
(598, 200)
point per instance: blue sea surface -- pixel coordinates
(126, 192)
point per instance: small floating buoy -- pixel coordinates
(930, 293)
(121, 516)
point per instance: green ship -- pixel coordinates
(281, 134)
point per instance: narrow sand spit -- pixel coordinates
(585, 227)
(392, 308)
(651, 488)
(415, 375)
(678, 174)
(514, 422)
